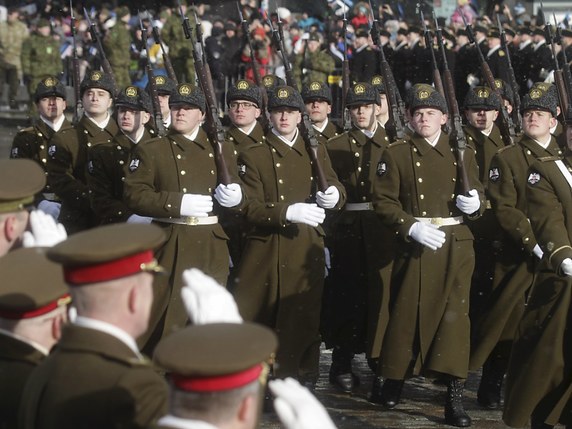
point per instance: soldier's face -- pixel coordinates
(364, 115)
(51, 108)
(96, 101)
(427, 122)
(285, 120)
(313, 45)
(130, 121)
(481, 119)
(185, 119)
(537, 124)
(164, 105)
(243, 113)
(318, 110)
(384, 108)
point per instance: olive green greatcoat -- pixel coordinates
(107, 169)
(33, 143)
(281, 275)
(40, 58)
(356, 297)
(17, 360)
(428, 328)
(67, 170)
(116, 44)
(539, 377)
(161, 171)
(92, 380)
(515, 263)
(331, 131)
(242, 141)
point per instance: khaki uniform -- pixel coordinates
(428, 328)
(539, 374)
(33, 143)
(356, 295)
(313, 67)
(92, 380)
(40, 58)
(107, 169)
(331, 131)
(117, 43)
(67, 169)
(160, 172)
(281, 275)
(515, 266)
(180, 49)
(17, 360)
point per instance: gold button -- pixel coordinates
(44, 160)
(386, 138)
(454, 179)
(414, 149)
(85, 131)
(528, 152)
(121, 162)
(282, 197)
(423, 213)
(169, 206)
(362, 183)
(526, 239)
(280, 181)
(421, 197)
(274, 150)
(118, 147)
(277, 165)
(363, 198)
(354, 141)
(212, 172)
(356, 154)
(185, 190)
(179, 156)
(183, 172)
(88, 144)
(209, 190)
(420, 180)
(452, 196)
(418, 164)
(40, 135)
(359, 169)
(211, 155)
(42, 146)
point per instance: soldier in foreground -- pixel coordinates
(33, 142)
(417, 196)
(96, 377)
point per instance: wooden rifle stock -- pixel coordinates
(77, 111)
(166, 58)
(104, 61)
(345, 119)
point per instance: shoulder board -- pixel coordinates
(549, 158)
(398, 142)
(26, 130)
(502, 149)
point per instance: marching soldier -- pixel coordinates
(355, 299)
(318, 100)
(538, 387)
(172, 180)
(13, 33)
(117, 44)
(522, 60)
(364, 63)
(496, 56)
(244, 101)
(97, 377)
(165, 86)
(417, 196)
(68, 151)
(313, 64)
(40, 56)
(108, 162)
(33, 142)
(401, 60)
(541, 62)
(281, 274)
(180, 49)
(383, 115)
(29, 326)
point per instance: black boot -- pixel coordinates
(341, 374)
(391, 393)
(375, 397)
(455, 414)
(489, 393)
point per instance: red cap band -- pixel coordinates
(217, 383)
(16, 315)
(109, 270)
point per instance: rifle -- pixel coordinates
(506, 126)
(517, 119)
(157, 115)
(346, 119)
(255, 71)
(457, 132)
(567, 77)
(396, 125)
(104, 61)
(166, 59)
(429, 45)
(75, 77)
(307, 129)
(213, 126)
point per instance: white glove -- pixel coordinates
(228, 195)
(472, 80)
(196, 205)
(135, 218)
(50, 207)
(329, 198)
(206, 301)
(327, 261)
(537, 251)
(297, 408)
(427, 234)
(469, 205)
(566, 267)
(44, 231)
(310, 214)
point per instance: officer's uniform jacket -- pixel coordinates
(281, 274)
(107, 168)
(360, 247)
(242, 141)
(17, 360)
(33, 143)
(539, 370)
(92, 380)
(428, 286)
(161, 171)
(67, 169)
(331, 131)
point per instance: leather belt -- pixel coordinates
(356, 207)
(189, 220)
(50, 196)
(441, 221)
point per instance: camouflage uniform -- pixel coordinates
(180, 49)
(40, 58)
(313, 66)
(12, 36)
(116, 45)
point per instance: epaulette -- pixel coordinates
(502, 149)
(26, 130)
(549, 158)
(397, 142)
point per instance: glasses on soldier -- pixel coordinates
(235, 105)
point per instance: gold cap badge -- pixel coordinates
(184, 90)
(242, 84)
